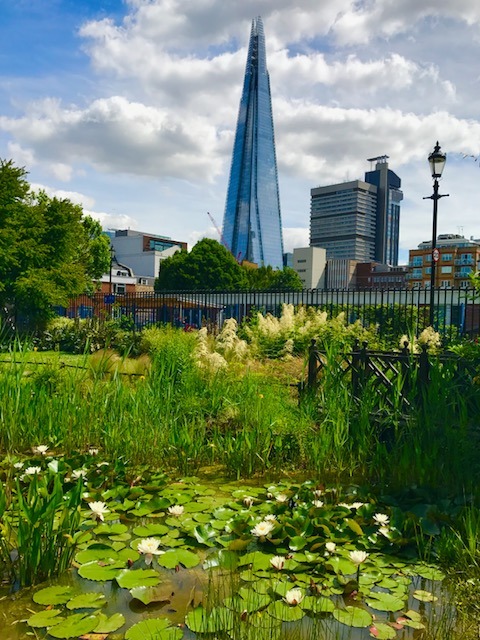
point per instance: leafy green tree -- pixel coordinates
(267, 278)
(48, 250)
(209, 266)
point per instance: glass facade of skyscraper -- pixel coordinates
(252, 227)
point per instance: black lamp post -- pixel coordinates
(437, 161)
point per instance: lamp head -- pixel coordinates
(437, 161)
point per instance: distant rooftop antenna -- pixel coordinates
(377, 159)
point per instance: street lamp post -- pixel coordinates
(437, 161)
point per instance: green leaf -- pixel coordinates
(172, 558)
(131, 578)
(382, 631)
(153, 629)
(354, 526)
(223, 559)
(205, 535)
(76, 625)
(429, 572)
(218, 619)
(53, 595)
(341, 565)
(383, 601)
(110, 624)
(297, 543)
(99, 573)
(45, 618)
(353, 617)
(94, 553)
(150, 530)
(157, 593)
(317, 604)
(280, 610)
(87, 601)
(424, 596)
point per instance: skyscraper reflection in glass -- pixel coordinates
(252, 226)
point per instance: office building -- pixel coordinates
(310, 264)
(359, 220)
(252, 227)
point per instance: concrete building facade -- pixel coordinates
(310, 264)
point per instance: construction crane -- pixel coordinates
(238, 257)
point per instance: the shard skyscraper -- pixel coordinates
(252, 226)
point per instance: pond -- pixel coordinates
(162, 560)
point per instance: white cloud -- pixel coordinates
(295, 238)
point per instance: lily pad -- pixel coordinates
(424, 596)
(317, 604)
(205, 535)
(429, 572)
(74, 626)
(53, 595)
(131, 578)
(151, 530)
(157, 593)
(383, 601)
(100, 573)
(282, 611)
(153, 629)
(218, 619)
(172, 558)
(341, 565)
(110, 624)
(382, 631)
(353, 617)
(223, 559)
(46, 618)
(87, 601)
(110, 529)
(94, 553)
(297, 543)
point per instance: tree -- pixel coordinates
(209, 266)
(49, 251)
(267, 278)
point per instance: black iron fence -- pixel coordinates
(395, 312)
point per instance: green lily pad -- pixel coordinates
(46, 618)
(282, 611)
(382, 631)
(205, 535)
(219, 619)
(223, 559)
(53, 595)
(131, 578)
(94, 553)
(75, 625)
(429, 572)
(109, 624)
(151, 530)
(318, 604)
(424, 596)
(252, 600)
(354, 526)
(100, 573)
(353, 617)
(87, 601)
(172, 558)
(153, 629)
(383, 601)
(341, 565)
(110, 529)
(157, 593)
(297, 543)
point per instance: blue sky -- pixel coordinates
(130, 107)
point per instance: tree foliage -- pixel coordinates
(210, 266)
(48, 250)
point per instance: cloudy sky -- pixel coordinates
(130, 107)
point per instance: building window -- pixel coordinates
(301, 270)
(120, 288)
(301, 261)
(465, 284)
(417, 261)
(428, 271)
(426, 284)
(445, 284)
(416, 273)
(446, 269)
(446, 257)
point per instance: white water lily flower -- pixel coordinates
(41, 449)
(345, 504)
(248, 501)
(330, 547)
(176, 510)
(263, 528)
(277, 562)
(381, 518)
(293, 596)
(357, 557)
(318, 493)
(78, 473)
(384, 531)
(317, 503)
(31, 471)
(99, 509)
(270, 518)
(18, 465)
(357, 505)
(149, 547)
(93, 452)
(281, 497)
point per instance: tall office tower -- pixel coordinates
(252, 226)
(359, 220)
